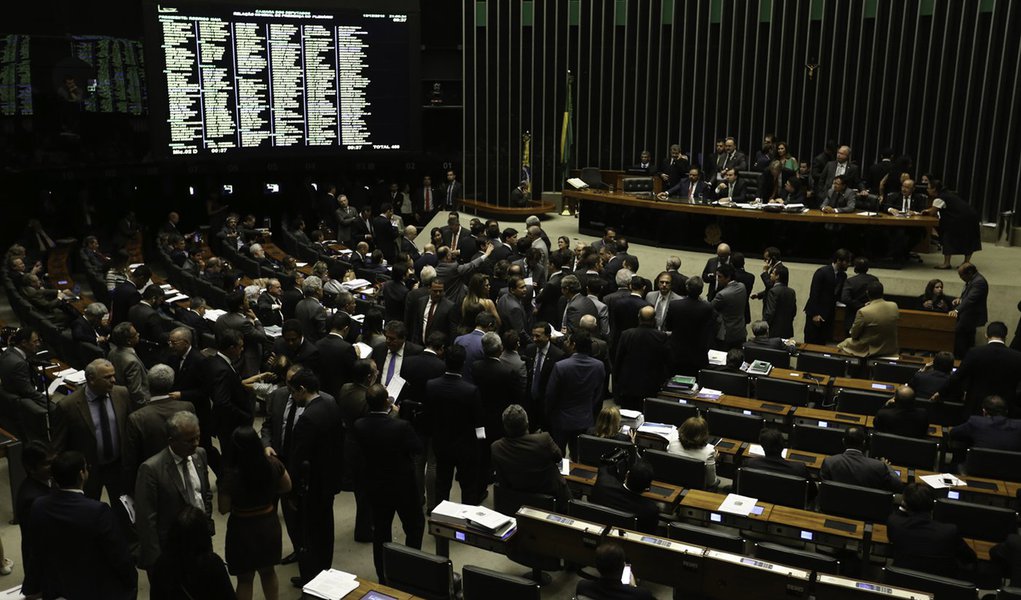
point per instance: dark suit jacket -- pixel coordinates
(312, 314)
(777, 464)
(624, 315)
(574, 391)
(1007, 555)
(779, 310)
(989, 370)
(737, 193)
(160, 495)
(197, 323)
(692, 329)
(429, 259)
(188, 380)
(306, 355)
(360, 231)
(386, 448)
(972, 311)
(255, 337)
(385, 237)
(232, 406)
(929, 382)
(444, 319)
(997, 433)
(499, 387)
(738, 161)
(73, 428)
(380, 351)
(457, 410)
(910, 422)
(150, 326)
(922, 544)
(146, 434)
(682, 189)
(17, 377)
(855, 468)
(122, 298)
(827, 285)
(79, 550)
(895, 200)
(453, 195)
(265, 311)
(319, 440)
(83, 331)
(336, 357)
(408, 247)
(772, 343)
(640, 362)
(530, 463)
(852, 174)
(574, 310)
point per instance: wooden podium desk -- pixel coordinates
(583, 478)
(772, 412)
(364, 587)
(702, 507)
(828, 418)
(445, 530)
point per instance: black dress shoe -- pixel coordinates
(289, 559)
(297, 582)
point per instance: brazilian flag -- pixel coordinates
(567, 130)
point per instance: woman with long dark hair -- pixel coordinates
(249, 492)
(187, 567)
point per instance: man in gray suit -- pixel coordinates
(310, 310)
(241, 318)
(841, 166)
(146, 432)
(511, 306)
(661, 299)
(854, 468)
(169, 481)
(129, 369)
(970, 309)
(453, 276)
(574, 393)
(574, 304)
(729, 304)
(16, 374)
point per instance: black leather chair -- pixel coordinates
(904, 451)
(855, 501)
(782, 391)
(671, 412)
(677, 470)
(942, 588)
(976, 521)
(892, 371)
(592, 448)
(478, 583)
(857, 402)
(508, 502)
(733, 384)
(595, 513)
(734, 425)
(704, 536)
(822, 440)
(802, 559)
(418, 573)
(824, 364)
(995, 464)
(780, 359)
(775, 488)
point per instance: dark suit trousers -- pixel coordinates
(567, 439)
(964, 340)
(404, 503)
(816, 334)
(466, 461)
(425, 473)
(316, 518)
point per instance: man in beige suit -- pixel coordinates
(874, 332)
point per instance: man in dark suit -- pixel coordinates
(762, 339)
(624, 312)
(418, 370)
(970, 308)
(527, 462)
(93, 420)
(574, 393)
(989, 370)
(901, 240)
(879, 169)
(644, 163)
(458, 428)
(194, 316)
(673, 167)
(146, 432)
(384, 232)
(692, 188)
(499, 386)
(390, 355)
(127, 294)
(408, 243)
(336, 355)
(855, 292)
(519, 194)
(772, 460)
(277, 434)
(610, 562)
(386, 454)
(428, 258)
(310, 311)
(18, 378)
(922, 544)
(992, 429)
(731, 189)
(626, 495)
(838, 198)
(36, 458)
(268, 307)
(730, 158)
(293, 344)
(87, 560)
(169, 481)
(639, 360)
(452, 191)
(933, 379)
(573, 305)
(431, 312)
(241, 318)
(232, 407)
(827, 285)
(89, 328)
(729, 303)
(855, 468)
(901, 416)
(425, 201)
(747, 280)
(540, 357)
(841, 166)
(692, 328)
(150, 325)
(316, 452)
(453, 275)
(712, 265)
(781, 305)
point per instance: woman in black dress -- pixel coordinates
(958, 223)
(249, 492)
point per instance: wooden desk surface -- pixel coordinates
(935, 431)
(981, 547)
(795, 455)
(813, 521)
(830, 416)
(736, 402)
(812, 216)
(660, 492)
(865, 385)
(992, 487)
(799, 376)
(711, 501)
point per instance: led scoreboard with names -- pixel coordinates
(241, 80)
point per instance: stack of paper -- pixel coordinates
(632, 418)
(331, 585)
(355, 284)
(718, 358)
(364, 350)
(709, 394)
(212, 314)
(477, 517)
(756, 450)
(75, 378)
(273, 331)
(942, 480)
(738, 505)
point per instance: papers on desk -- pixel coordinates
(363, 350)
(709, 394)
(331, 584)
(75, 378)
(756, 450)
(759, 367)
(556, 334)
(718, 358)
(632, 418)
(738, 505)
(942, 480)
(356, 284)
(273, 331)
(747, 205)
(345, 252)
(177, 297)
(134, 266)
(358, 318)
(565, 466)
(866, 213)
(301, 264)
(665, 431)
(212, 314)
(478, 517)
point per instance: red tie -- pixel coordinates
(453, 242)
(428, 200)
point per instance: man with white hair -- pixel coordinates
(499, 386)
(534, 220)
(534, 233)
(310, 310)
(842, 166)
(408, 243)
(269, 306)
(90, 327)
(259, 255)
(146, 432)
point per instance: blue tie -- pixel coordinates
(390, 369)
(536, 373)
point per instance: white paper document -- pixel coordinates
(942, 480)
(331, 585)
(738, 505)
(12, 594)
(393, 389)
(177, 298)
(565, 466)
(129, 506)
(364, 350)
(212, 314)
(756, 450)
(718, 358)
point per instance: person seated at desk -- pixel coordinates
(932, 379)
(874, 332)
(992, 429)
(772, 181)
(771, 441)
(900, 416)
(693, 442)
(608, 425)
(838, 199)
(91, 327)
(732, 364)
(644, 164)
(853, 467)
(792, 192)
(921, 544)
(731, 189)
(528, 462)
(692, 187)
(608, 491)
(761, 339)
(934, 299)
(610, 562)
